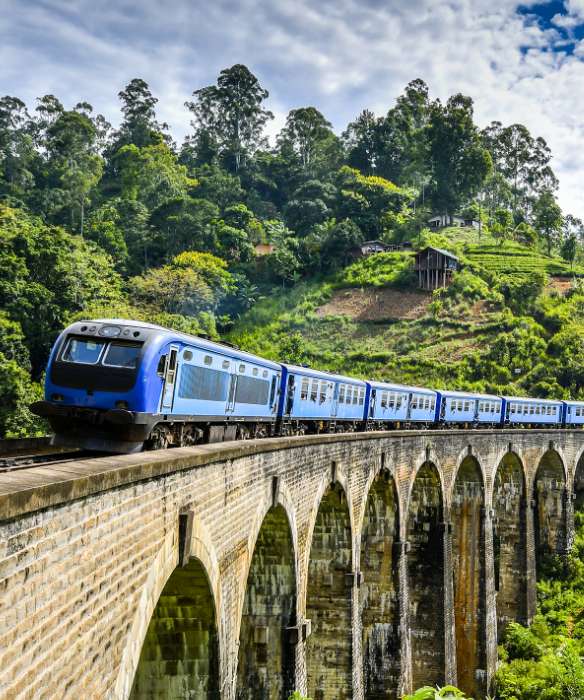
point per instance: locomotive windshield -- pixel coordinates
(122, 355)
(84, 351)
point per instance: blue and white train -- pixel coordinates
(123, 386)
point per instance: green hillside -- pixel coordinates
(510, 322)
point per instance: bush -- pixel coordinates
(520, 643)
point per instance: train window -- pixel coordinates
(399, 401)
(391, 402)
(272, 388)
(467, 405)
(255, 371)
(427, 404)
(349, 394)
(203, 384)
(208, 360)
(242, 368)
(361, 397)
(122, 355)
(322, 392)
(265, 373)
(414, 403)
(342, 393)
(314, 390)
(83, 351)
(254, 391)
(161, 365)
(225, 364)
(304, 389)
(187, 355)
(384, 399)
(433, 404)
(355, 395)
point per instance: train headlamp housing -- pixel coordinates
(110, 331)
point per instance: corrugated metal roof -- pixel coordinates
(447, 253)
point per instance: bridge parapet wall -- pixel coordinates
(87, 548)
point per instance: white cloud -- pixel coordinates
(340, 55)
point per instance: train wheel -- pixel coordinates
(159, 438)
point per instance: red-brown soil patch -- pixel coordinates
(376, 304)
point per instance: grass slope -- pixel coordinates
(469, 337)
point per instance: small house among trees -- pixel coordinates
(435, 267)
(444, 220)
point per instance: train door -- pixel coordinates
(372, 403)
(169, 379)
(231, 397)
(290, 394)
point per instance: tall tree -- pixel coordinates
(522, 161)
(73, 160)
(307, 134)
(548, 218)
(229, 116)
(139, 126)
(402, 137)
(17, 154)
(361, 141)
(460, 163)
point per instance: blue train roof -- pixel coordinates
(318, 374)
(185, 337)
(530, 399)
(402, 387)
(467, 395)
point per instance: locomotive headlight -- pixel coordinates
(110, 331)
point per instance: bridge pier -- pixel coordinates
(323, 563)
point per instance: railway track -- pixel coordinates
(16, 462)
(35, 452)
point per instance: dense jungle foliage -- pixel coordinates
(226, 234)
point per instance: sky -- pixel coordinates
(520, 62)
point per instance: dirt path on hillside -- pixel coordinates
(376, 304)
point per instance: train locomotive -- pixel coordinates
(122, 386)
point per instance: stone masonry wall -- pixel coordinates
(87, 548)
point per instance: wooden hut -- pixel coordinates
(435, 267)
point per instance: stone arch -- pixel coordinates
(578, 484)
(510, 542)
(180, 653)
(468, 573)
(549, 495)
(328, 600)
(266, 654)
(379, 590)
(425, 569)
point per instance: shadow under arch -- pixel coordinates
(380, 589)
(549, 496)
(579, 484)
(266, 660)
(510, 542)
(180, 653)
(328, 600)
(425, 568)
(468, 574)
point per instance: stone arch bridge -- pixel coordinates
(346, 566)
